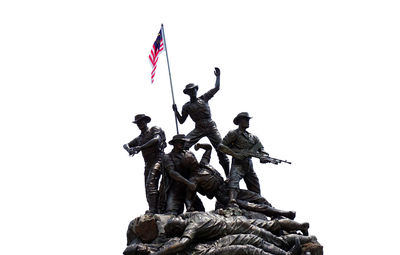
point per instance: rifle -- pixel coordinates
(262, 155)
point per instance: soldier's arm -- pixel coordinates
(226, 143)
(225, 149)
(260, 147)
(207, 154)
(154, 141)
(207, 96)
(133, 143)
(181, 118)
(178, 177)
(129, 146)
(174, 248)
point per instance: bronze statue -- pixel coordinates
(179, 171)
(199, 111)
(151, 142)
(211, 184)
(237, 244)
(243, 221)
(203, 226)
(242, 167)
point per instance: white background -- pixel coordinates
(320, 79)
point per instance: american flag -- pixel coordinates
(158, 47)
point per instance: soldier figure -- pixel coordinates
(237, 244)
(242, 167)
(205, 226)
(151, 142)
(178, 171)
(211, 184)
(199, 111)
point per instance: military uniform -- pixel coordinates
(242, 169)
(199, 112)
(210, 226)
(237, 244)
(179, 162)
(153, 158)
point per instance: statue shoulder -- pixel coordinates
(232, 133)
(186, 106)
(156, 129)
(189, 153)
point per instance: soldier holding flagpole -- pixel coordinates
(199, 111)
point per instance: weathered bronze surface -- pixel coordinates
(243, 222)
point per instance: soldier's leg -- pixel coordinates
(152, 186)
(194, 136)
(251, 179)
(252, 197)
(233, 184)
(215, 139)
(270, 225)
(290, 225)
(242, 239)
(190, 196)
(175, 200)
(241, 226)
(291, 239)
(237, 250)
(197, 205)
(265, 209)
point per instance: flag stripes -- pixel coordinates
(158, 47)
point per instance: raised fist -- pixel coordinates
(217, 72)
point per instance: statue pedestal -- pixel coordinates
(238, 232)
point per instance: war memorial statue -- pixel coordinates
(199, 111)
(177, 183)
(242, 222)
(151, 142)
(242, 146)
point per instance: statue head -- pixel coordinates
(141, 121)
(175, 226)
(178, 141)
(242, 119)
(191, 90)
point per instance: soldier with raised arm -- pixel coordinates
(199, 111)
(151, 142)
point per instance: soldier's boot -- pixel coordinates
(291, 215)
(271, 211)
(152, 200)
(290, 225)
(232, 198)
(304, 228)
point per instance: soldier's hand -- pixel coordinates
(264, 160)
(192, 186)
(202, 146)
(174, 108)
(217, 72)
(136, 149)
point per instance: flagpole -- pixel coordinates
(170, 80)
